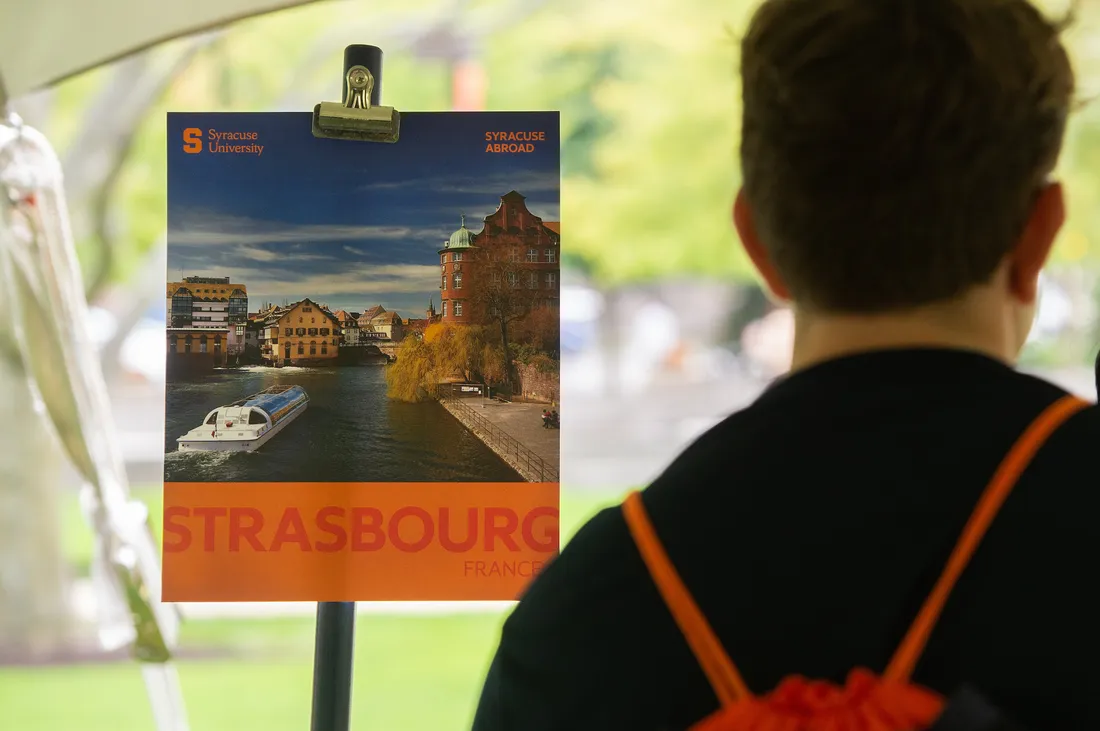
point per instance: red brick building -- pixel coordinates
(513, 262)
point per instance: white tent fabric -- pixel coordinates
(45, 41)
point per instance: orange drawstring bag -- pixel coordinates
(867, 702)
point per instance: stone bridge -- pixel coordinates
(387, 348)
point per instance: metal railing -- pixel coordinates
(504, 444)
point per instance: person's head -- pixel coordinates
(896, 154)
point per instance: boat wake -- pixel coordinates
(264, 369)
(201, 460)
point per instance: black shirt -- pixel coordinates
(810, 527)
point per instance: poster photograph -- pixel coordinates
(362, 358)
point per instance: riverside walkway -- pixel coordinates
(514, 432)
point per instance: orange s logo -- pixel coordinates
(192, 140)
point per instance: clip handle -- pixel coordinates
(368, 58)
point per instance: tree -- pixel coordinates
(408, 376)
(443, 353)
(540, 329)
(457, 351)
(501, 292)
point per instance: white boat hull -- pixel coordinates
(230, 440)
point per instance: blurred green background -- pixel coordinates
(649, 100)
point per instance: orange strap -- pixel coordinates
(712, 657)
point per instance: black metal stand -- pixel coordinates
(334, 648)
(332, 665)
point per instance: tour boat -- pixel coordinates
(248, 424)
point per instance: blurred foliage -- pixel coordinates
(649, 102)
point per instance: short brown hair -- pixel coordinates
(892, 149)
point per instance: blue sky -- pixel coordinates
(349, 224)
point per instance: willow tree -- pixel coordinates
(408, 376)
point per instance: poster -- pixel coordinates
(362, 385)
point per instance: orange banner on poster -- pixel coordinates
(355, 541)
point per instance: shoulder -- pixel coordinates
(1071, 450)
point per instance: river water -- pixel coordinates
(351, 432)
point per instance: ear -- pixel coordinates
(1033, 249)
(746, 229)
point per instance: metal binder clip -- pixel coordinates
(359, 117)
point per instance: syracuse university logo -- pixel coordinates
(192, 140)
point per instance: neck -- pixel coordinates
(978, 324)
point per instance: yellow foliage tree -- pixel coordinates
(445, 353)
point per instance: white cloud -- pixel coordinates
(352, 280)
(495, 184)
(249, 252)
(546, 210)
(200, 228)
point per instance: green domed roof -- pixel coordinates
(463, 238)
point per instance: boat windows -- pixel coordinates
(256, 417)
(213, 418)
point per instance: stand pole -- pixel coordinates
(334, 647)
(332, 665)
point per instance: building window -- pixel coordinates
(181, 309)
(458, 308)
(324, 347)
(307, 309)
(551, 277)
(532, 256)
(532, 280)
(551, 255)
(313, 331)
(443, 284)
(287, 351)
(334, 341)
(238, 308)
(288, 331)
(300, 332)
(513, 280)
(325, 331)
(444, 308)
(457, 256)
(513, 255)
(313, 347)
(458, 281)
(301, 349)
(496, 278)
(202, 344)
